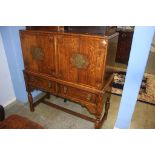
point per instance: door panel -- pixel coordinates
(95, 50)
(81, 59)
(66, 45)
(38, 51)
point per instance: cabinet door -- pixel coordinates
(38, 52)
(95, 50)
(66, 46)
(81, 59)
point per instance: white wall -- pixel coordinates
(7, 94)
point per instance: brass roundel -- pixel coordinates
(79, 61)
(37, 53)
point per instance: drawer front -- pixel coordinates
(42, 83)
(76, 94)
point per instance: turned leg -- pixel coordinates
(97, 122)
(30, 101)
(107, 105)
(98, 112)
(48, 95)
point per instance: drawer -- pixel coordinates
(78, 94)
(41, 83)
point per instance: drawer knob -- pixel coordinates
(49, 84)
(65, 89)
(89, 97)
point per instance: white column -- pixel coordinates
(140, 49)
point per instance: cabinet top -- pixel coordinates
(99, 36)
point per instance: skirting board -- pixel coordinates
(9, 102)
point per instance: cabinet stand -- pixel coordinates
(98, 121)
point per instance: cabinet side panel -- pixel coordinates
(111, 55)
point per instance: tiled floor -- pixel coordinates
(150, 67)
(143, 117)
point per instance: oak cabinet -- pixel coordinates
(74, 66)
